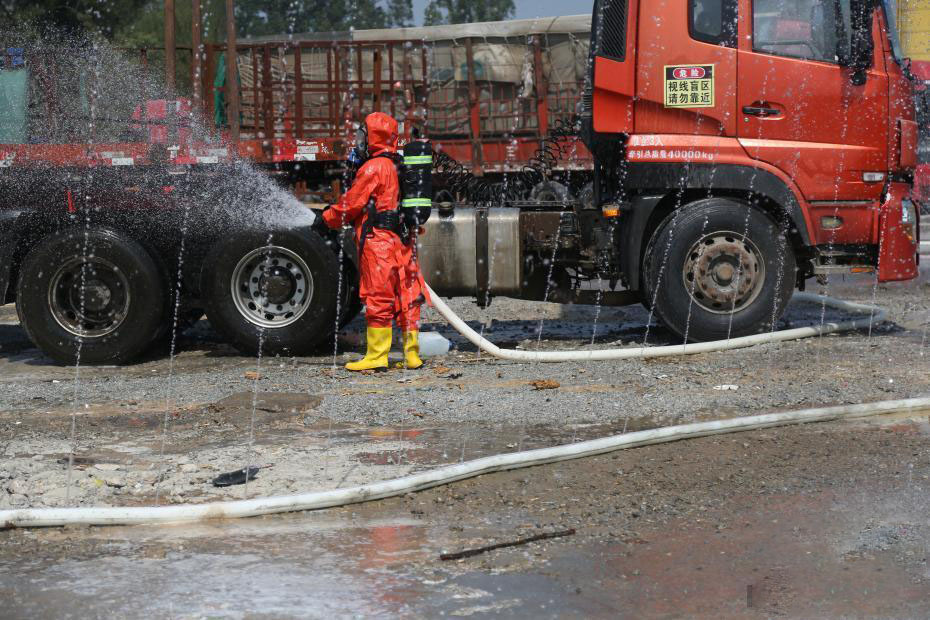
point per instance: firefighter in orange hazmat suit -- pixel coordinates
(392, 287)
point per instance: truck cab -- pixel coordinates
(744, 146)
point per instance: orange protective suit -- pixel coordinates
(392, 286)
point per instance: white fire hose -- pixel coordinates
(876, 315)
(36, 517)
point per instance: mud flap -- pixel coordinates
(898, 241)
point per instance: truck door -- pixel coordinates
(799, 109)
(686, 61)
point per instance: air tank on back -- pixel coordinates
(417, 182)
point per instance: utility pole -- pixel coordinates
(232, 84)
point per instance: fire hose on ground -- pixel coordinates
(37, 517)
(876, 315)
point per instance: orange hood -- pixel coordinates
(382, 133)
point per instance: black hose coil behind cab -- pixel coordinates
(460, 181)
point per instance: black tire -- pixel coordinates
(698, 294)
(313, 319)
(116, 295)
(646, 289)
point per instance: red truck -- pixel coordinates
(798, 163)
(724, 152)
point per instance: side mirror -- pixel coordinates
(861, 44)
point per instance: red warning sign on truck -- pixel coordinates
(689, 86)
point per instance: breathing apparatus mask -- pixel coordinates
(359, 152)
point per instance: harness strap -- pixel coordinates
(394, 220)
(384, 220)
(368, 227)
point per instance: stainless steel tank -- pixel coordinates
(473, 252)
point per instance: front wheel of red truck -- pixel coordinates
(719, 269)
(92, 296)
(272, 293)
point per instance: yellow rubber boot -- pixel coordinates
(379, 345)
(412, 359)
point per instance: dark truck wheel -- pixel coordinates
(716, 283)
(280, 293)
(96, 298)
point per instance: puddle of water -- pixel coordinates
(285, 567)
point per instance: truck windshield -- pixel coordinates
(891, 16)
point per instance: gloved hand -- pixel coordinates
(319, 224)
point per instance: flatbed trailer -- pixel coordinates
(302, 100)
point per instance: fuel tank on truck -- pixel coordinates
(472, 252)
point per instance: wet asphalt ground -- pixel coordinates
(821, 521)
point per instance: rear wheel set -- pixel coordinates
(99, 297)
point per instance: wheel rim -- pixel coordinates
(724, 272)
(89, 297)
(272, 287)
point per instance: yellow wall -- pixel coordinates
(914, 26)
